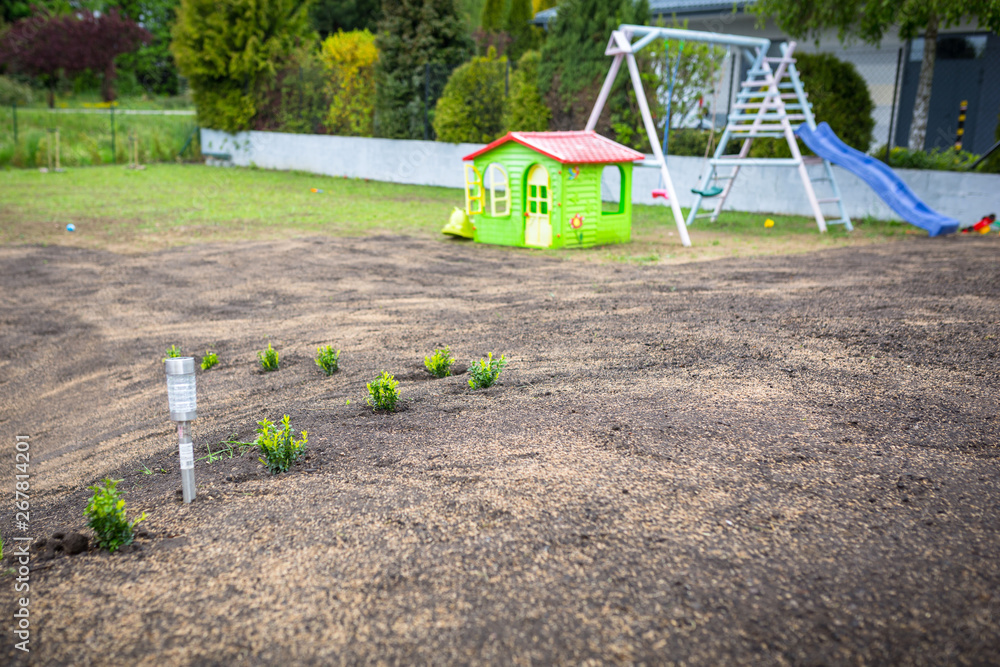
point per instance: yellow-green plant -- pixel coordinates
(383, 392)
(279, 447)
(439, 363)
(268, 358)
(328, 359)
(172, 352)
(484, 373)
(350, 59)
(105, 513)
(210, 359)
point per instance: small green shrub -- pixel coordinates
(279, 446)
(439, 363)
(14, 92)
(172, 353)
(268, 358)
(383, 393)
(524, 110)
(941, 160)
(470, 107)
(210, 359)
(105, 514)
(328, 359)
(484, 373)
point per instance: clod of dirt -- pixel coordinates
(60, 543)
(75, 543)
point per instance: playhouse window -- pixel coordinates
(474, 194)
(612, 189)
(498, 188)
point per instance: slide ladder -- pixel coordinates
(770, 101)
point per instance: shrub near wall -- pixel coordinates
(525, 110)
(350, 58)
(471, 107)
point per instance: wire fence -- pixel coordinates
(40, 137)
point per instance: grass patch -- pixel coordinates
(85, 138)
(169, 205)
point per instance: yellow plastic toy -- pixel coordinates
(459, 225)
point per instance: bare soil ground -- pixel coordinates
(788, 460)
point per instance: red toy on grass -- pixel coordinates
(983, 226)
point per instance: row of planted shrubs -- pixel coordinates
(278, 445)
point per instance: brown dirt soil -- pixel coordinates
(747, 461)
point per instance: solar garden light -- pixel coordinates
(183, 410)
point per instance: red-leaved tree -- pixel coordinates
(44, 45)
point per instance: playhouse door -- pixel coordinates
(537, 228)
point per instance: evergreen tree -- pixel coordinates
(331, 16)
(230, 52)
(471, 106)
(350, 59)
(413, 34)
(525, 110)
(573, 67)
(523, 35)
(152, 66)
(492, 17)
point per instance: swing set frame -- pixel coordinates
(770, 99)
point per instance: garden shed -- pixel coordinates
(550, 190)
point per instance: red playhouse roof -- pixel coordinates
(580, 147)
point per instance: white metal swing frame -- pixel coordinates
(760, 110)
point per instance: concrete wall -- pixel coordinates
(966, 197)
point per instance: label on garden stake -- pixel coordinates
(181, 393)
(187, 456)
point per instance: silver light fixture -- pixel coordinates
(183, 400)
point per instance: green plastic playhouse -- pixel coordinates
(544, 190)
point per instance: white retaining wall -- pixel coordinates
(966, 197)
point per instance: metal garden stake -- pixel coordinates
(183, 410)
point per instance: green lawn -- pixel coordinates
(174, 204)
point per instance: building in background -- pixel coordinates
(967, 70)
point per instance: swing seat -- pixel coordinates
(713, 191)
(660, 193)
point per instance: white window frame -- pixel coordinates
(493, 170)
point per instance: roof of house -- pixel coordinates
(579, 147)
(667, 8)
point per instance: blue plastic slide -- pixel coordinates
(879, 177)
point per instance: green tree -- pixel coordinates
(517, 24)
(413, 34)
(573, 67)
(350, 59)
(331, 16)
(524, 109)
(491, 19)
(231, 51)
(152, 66)
(869, 20)
(471, 107)
(696, 77)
